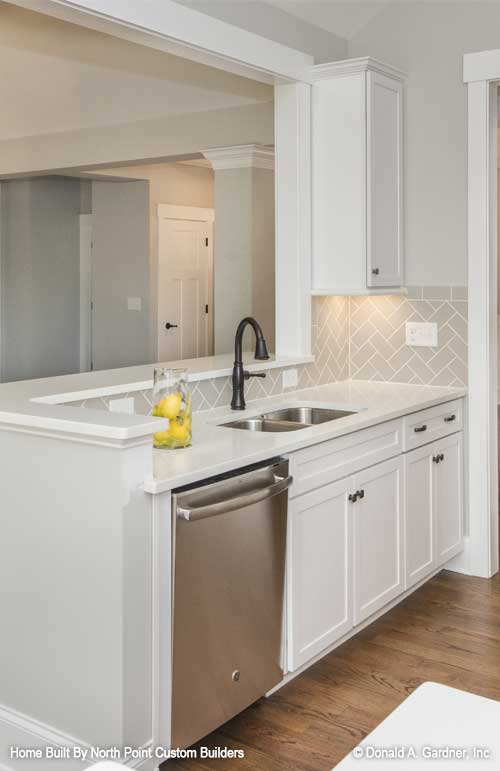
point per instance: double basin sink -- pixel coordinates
(289, 419)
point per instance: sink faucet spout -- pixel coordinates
(239, 374)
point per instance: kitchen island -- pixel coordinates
(85, 554)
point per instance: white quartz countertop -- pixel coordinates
(217, 449)
(43, 405)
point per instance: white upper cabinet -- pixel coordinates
(357, 156)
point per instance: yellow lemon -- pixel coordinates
(180, 431)
(161, 437)
(169, 406)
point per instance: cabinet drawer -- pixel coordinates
(326, 462)
(427, 425)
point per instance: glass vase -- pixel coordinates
(172, 400)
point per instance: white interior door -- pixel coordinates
(185, 257)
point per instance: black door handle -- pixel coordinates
(168, 325)
(450, 418)
(419, 429)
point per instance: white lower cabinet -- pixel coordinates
(320, 582)
(434, 506)
(378, 539)
(448, 497)
(356, 544)
(420, 549)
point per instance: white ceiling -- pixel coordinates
(60, 77)
(342, 17)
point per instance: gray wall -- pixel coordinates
(244, 276)
(40, 277)
(120, 269)
(233, 254)
(428, 40)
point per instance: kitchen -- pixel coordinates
(378, 499)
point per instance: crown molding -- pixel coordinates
(353, 66)
(241, 157)
(199, 162)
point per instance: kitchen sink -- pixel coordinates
(307, 416)
(289, 419)
(263, 424)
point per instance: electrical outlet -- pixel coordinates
(134, 303)
(125, 405)
(421, 334)
(290, 378)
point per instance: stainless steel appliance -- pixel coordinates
(230, 541)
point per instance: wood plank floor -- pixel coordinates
(448, 631)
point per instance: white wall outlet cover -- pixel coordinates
(290, 378)
(125, 405)
(134, 303)
(420, 334)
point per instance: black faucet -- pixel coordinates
(239, 374)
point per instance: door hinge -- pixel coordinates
(206, 308)
(206, 241)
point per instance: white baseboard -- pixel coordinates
(19, 730)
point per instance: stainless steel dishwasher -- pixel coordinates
(229, 575)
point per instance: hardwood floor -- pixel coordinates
(448, 631)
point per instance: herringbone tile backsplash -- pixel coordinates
(378, 349)
(362, 338)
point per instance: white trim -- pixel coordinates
(240, 157)
(168, 26)
(482, 557)
(35, 730)
(292, 105)
(481, 66)
(341, 291)
(162, 544)
(172, 211)
(201, 163)
(353, 66)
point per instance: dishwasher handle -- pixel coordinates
(192, 514)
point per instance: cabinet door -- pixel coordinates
(448, 497)
(378, 542)
(384, 181)
(320, 571)
(420, 551)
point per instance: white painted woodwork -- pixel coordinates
(384, 220)
(168, 26)
(448, 500)
(357, 137)
(378, 537)
(481, 555)
(420, 542)
(185, 259)
(320, 575)
(328, 461)
(438, 421)
(292, 110)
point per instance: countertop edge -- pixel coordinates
(158, 486)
